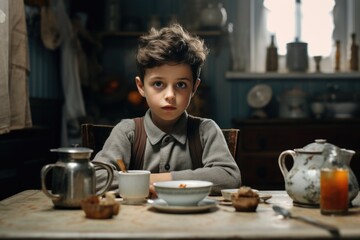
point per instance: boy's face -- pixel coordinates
(168, 90)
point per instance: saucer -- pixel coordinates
(162, 206)
(262, 196)
(136, 201)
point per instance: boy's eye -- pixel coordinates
(158, 84)
(181, 85)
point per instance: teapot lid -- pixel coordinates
(72, 150)
(315, 147)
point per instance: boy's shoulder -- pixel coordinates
(125, 125)
(207, 122)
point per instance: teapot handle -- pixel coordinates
(282, 164)
(45, 169)
(110, 177)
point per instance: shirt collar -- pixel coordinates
(154, 134)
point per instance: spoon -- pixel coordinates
(287, 214)
(122, 166)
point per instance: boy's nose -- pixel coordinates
(170, 94)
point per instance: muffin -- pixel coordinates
(245, 200)
(100, 208)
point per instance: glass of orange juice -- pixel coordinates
(334, 191)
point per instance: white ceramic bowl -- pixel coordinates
(190, 195)
(343, 109)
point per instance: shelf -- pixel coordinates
(243, 76)
(138, 34)
(294, 121)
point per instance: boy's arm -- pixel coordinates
(159, 177)
(219, 165)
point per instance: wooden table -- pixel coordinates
(30, 214)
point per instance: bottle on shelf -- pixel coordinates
(112, 15)
(354, 57)
(337, 55)
(272, 56)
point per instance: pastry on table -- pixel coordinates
(245, 199)
(96, 207)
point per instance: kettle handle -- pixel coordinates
(282, 164)
(45, 169)
(110, 177)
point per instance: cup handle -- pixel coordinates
(110, 177)
(282, 164)
(45, 169)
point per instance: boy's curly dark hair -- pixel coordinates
(171, 44)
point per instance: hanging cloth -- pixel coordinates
(14, 67)
(50, 32)
(74, 107)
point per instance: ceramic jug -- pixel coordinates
(213, 17)
(302, 181)
(293, 104)
(73, 177)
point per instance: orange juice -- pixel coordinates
(334, 191)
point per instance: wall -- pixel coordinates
(117, 55)
(227, 98)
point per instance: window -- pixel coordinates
(254, 25)
(307, 20)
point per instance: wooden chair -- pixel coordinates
(95, 135)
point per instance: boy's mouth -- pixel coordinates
(169, 108)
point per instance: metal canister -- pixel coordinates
(297, 57)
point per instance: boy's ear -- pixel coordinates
(140, 86)
(196, 85)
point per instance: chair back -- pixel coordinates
(95, 135)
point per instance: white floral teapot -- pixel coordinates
(302, 182)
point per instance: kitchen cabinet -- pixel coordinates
(262, 141)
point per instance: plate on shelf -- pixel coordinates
(259, 96)
(162, 206)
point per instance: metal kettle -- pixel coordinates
(73, 177)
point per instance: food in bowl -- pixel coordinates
(174, 193)
(245, 200)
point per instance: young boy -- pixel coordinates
(169, 63)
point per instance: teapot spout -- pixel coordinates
(347, 154)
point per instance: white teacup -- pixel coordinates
(134, 186)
